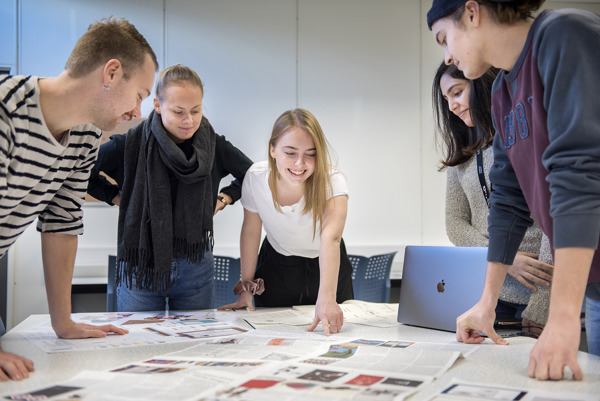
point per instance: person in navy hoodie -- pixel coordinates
(546, 158)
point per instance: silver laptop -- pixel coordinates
(439, 283)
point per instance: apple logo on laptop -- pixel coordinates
(441, 286)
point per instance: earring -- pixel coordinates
(106, 87)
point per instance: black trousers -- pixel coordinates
(294, 280)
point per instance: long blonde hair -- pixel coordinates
(318, 185)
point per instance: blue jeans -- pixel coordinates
(592, 325)
(192, 288)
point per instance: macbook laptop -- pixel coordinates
(440, 283)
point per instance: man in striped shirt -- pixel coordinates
(50, 130)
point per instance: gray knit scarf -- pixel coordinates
(166, 208)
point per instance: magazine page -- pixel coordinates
(145, 328)
(465, 391)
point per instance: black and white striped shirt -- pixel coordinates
(39, 177)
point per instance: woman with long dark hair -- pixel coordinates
(464, 124)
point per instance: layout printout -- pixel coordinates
(231, 361)
(358, 312)
(145, 328)
(265, 365)
(465, 391)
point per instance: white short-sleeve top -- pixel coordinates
(289, 232)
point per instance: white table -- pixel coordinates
(490, 364)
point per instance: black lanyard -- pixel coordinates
(481, 175)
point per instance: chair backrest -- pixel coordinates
(371, 277)
(357, 261)
(227, 274)
(111, 287)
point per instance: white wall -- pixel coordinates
(245, 52)
(364, 68)
(352, 73)
(49, 29)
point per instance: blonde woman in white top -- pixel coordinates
(301, 202)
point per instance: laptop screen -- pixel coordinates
(439, 283)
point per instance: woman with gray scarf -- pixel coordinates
(167, 171)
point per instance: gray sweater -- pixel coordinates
(466, 225)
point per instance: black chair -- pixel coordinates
(371, 277)
(227, 273)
